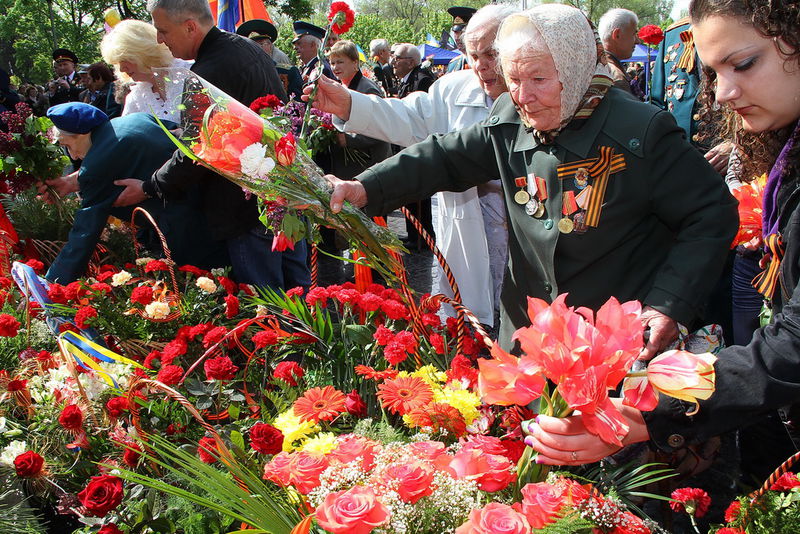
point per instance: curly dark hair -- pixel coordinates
(778, 20)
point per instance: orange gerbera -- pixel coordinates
(320, 404)
(404, 394)
(373, 374)
(438, 416)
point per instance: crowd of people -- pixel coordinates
(550, 175)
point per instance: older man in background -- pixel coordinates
(307, 42)
(618, 28)
(470, 226)
(379, 50)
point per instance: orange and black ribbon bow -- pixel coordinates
(767, 280)
(599, 169)
(687, 61)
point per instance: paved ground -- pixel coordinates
(420, 265)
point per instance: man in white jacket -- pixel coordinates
(471, 226)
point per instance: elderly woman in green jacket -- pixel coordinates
(605, 196)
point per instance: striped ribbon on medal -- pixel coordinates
(568, 205)
(686, 61)
(766, 281)
(599, 169)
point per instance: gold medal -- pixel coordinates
(539, 213)
(565, 225)
(521, 197)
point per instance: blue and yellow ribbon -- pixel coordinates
(83, 351)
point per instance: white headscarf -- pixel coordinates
(573, 45)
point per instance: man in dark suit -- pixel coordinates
(406, 62)
(307, 42)
(240, 68)
(380, 52)
(67, 80)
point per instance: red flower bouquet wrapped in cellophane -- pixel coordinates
(751, 198)
(254, 153)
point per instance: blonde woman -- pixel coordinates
(134, 51)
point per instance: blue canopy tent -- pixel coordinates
(440, 55)
(645, 55)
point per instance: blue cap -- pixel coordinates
(76, 117)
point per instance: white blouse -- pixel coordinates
(142, 98)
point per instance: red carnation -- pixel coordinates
(101, 495)
(227, 284)
(220, 368)
(5, 282)
(341, 17)
(732, 512)
(75, 291)
(117, 406)
(266, 439)
(693, 501)
(786, 482)
(231, 306)
(354, 405)
(100, 287)
(142, 294)
(28, 464)
(170, 375)
(651, 34)
(207, 450)
(289, 372)
(8, 325)
(156, 265)
(263, 102)
(317, 295)
(71, 417)
(111, 528)
(214, 336)
(172, 350)
(193, 270)
(56, 293)
(265, 338)
(83, 315)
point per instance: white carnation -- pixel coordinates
(254, 162)
(12, 450)
(157, 310)
(120, 279)
(206, 284)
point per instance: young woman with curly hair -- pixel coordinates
(750, 50)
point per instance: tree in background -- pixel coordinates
(648, 11)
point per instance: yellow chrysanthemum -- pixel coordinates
(320, 444)
(430, 374)
(293, 429)
(464, 401)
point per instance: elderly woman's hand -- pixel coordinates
(332, 97)
(60, 186)
(132, 194)
(351, 191)
(663, 332)
(567, 441)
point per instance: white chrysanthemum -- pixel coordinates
(121, 278)
(157, 310)
(255, 163)
(143, 261)
(206, 284)
(93, 385)
(12, 450)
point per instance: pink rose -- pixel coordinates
(492, 472)
(306, 469)
(495, 518)
(279, 469)
(429, 450)
(412, 481)
(351, 447)
(540, 504)
(353, 511)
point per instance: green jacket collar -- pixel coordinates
(578, 141)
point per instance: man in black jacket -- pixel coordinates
(406, 62)
(240, 68)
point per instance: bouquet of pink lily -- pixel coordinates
(253, 152)
(584, 355)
